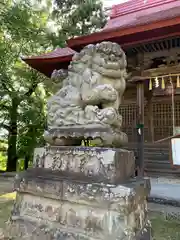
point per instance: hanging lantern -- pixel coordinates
(178, 82)
(170, 79)
(163, 83)
(170, 87)
(150, 84)
(156, 81)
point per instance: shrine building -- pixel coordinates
(149, 33)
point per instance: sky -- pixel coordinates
(109, 3)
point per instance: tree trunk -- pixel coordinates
(26, 162)
(12, 137)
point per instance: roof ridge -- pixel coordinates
(135, 6)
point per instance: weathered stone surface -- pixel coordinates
(39, 157)
(89, 210)
(82, 191)
(89, 96)
(113, 165)
(26, 229)
(100, 136)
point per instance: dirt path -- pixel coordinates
(6, 201)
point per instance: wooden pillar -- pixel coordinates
(150, 115)
(140, 128)
(151, 121)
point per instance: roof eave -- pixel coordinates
(46, 66)
(47, 60)
(109, 34)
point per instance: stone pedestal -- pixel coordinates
(102, 164)
(80, 193)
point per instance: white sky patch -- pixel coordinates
(109, 3)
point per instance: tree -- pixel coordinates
(32, 119)
(77, 17)
(23, 31)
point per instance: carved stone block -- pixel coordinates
(39, 155)
(46, 184)
(105, 136)
(55, 207)
(28, 230)
(110, 164)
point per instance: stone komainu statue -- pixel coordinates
(89, 97)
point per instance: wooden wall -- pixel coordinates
(159, 120)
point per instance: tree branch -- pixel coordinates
(5, 126)
(3, 106)
(31, 90)
(5, 87)
(8, 88)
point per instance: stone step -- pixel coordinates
(149, 161)
(158, 166)
(157, 150)
(156, 157)
(157, 160)
(161, 172)
(148, 146)
(151, 152)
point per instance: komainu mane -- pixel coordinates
(89, 97)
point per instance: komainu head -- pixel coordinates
(106, 58)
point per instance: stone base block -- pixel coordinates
(106, 135)
(28, 230)
(56, 208)
(108, 164)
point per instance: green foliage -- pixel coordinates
(22, 115)
(24, 31)
(32, 120)
(77, 17)
(3, 161)
(3, 145)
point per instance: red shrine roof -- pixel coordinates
(135, 6)
(58, 52)
(46, 63)
(130, 23)
(136, 21)
(139, 12)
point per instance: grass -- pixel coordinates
(5, 212)
(164, 229)
(8, 196)
(6, 202)
(3, 163)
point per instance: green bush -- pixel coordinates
(3, 161)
